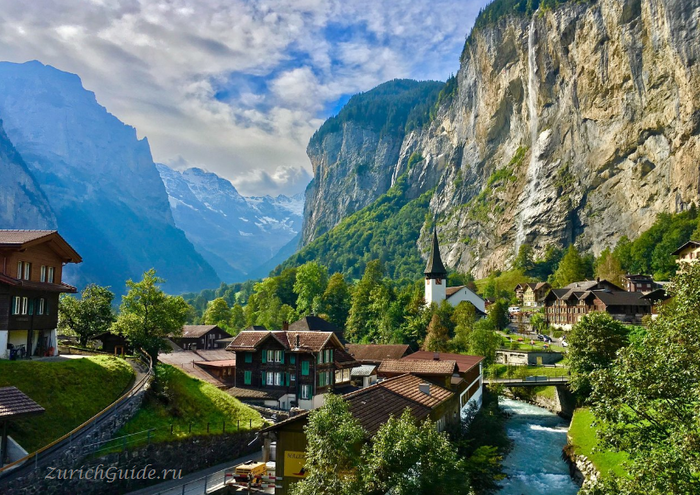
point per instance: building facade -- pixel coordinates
(195, 337)
(687, 253)
(531, 295)
(31, 264)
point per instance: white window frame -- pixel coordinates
(51, 274)
(43, 273)
(270, 379)
(278, 356)
(27, 270)
(278, 380)
(25, 305)
(40, 308)
(20, 267)
(17, 305)
(306, 391)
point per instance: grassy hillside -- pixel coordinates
(71, 391)
(178, 399)
(582, 433)
(388, 230)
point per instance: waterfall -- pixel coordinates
(533, 170)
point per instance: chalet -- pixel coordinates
(199, 337)
(289, 368)
(372, 407)
(313, 323)
(639, 283)
(376, 353)
(437, 372)
(467, 381)
(531, 295)
(113, 343)
(566, 306)
(436, 289)
(31, 271)
(688, 253)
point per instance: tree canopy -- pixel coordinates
(88, 316)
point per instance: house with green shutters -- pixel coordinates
(286, 368)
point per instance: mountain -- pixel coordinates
(567, 122)
(235, 234)
(22, 202)
(99, 179)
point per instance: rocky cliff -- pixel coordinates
(575, 124)
(22, 202)
(99, 179)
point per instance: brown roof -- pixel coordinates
(255, 393)
(373, 406)
(313, 341)
(376, 352)
(215, 354)
(313, 323)
(693, 244)
(42, 286)
(418, 366)
(464, 361)
(195, 331)
(217, 364)
(23, 239)
(308, 341)
(15, 404)
(248, 339)
(451, 291)
(343, 359)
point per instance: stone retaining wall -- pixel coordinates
(581, 469)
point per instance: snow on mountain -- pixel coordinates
(235, 234)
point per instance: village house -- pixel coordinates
(531, 295)
(287, 368)
(436, 289)
(372, 407)
(687, 253)
(199, 337)
(314, 323)
(639, 283)
(31, 264)
(566, 306)
(376, 353)
(215, 366)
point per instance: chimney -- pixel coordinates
(436, 357)
(425, 388)
(285, 325)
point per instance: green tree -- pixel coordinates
(311, 282)
(360, 317)
(483, 341)
(333, 440)
(572, 268)
(463, 318)
(647, 401)
(608, 267)
(498, 315)
(438, 335)
(88, 316)
(218, 313)
(237, 322)
(406, 458)
(147, 314)
(336, 300)
(538, 323)
(593, 344)
(524, 261)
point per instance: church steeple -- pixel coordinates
(435, 269)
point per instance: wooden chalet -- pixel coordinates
(199, 337)
(687, 253)
(531, 295)
(313, 323)
(639, 283)
(565, 307)
(31, 271)
(372, 407)
(288, 368)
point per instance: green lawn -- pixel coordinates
(582, 433)
(506, 371)
(525, 345)
(179, 400)
(71, 391)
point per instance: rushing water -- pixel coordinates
(535, 466)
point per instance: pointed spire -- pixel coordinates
(435, 268)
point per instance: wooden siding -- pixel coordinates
(37, 256)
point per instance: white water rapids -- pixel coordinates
(535, 466)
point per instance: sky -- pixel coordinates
(236, 87)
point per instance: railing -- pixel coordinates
(68, 437)
(530, 380)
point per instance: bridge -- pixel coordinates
(528, 381)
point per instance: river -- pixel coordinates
(534, 466)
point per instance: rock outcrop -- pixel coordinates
(576, 124)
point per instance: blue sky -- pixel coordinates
(236, 87)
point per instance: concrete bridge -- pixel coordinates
(529, 381)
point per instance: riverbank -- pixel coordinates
(534, 466)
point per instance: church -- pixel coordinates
(436, 289)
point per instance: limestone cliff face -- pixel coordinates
(578, 124)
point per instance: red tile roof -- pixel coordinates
(464, 361)
(418, 366)
(16, 404)
(376, 353)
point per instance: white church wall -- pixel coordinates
(465, 294)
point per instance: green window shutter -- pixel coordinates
(320, 357)
(247, 378)
(282, 360)
(304, 367)
(286, 379)
(331, 355)
(248, 357)
(292, 359)
(264, 356)
(263, 378)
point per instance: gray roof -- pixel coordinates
(364, 370)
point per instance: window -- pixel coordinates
(247, 377)
(278, 379)
(275, 356)
(320, 357)
(305, 368)
(270, 378)
(17, 306)
(43, 273)
(248, 357)
(40, 309)
(292, 377)
(19, 269)
(27, 270)
(328, 356)
(324, 378)
(25, 305)
(306, 392)
(51, 274)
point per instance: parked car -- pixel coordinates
(540, 337)
(547, 338)
(564, 343)
(514, 309)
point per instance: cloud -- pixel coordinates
(259, 182)
(237, 87)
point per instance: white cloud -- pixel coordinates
(160, 66)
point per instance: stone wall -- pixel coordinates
(581, 469)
